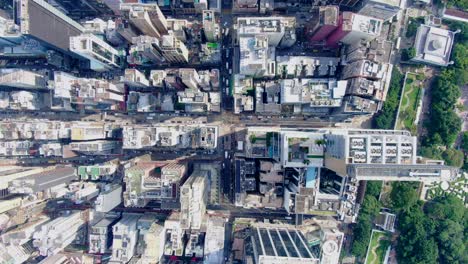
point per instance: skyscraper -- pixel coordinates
(193, 199)
(326, 23)
(46, 23)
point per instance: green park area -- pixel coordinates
(411, 96)
(378, 246)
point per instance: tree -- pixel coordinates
(403, 195)
(446, 207)
(460, 55)
(412, 28)
(433, 233)
(450, 239)
(464, 144)
(361, 232)
(386, 117)
(453, 157)
(463, 4)
(370, 206)
(415, 244)
(431, 151)
(373, 188)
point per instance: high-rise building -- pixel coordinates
(125, 234)
(152, 181)
(382, 9)
(345, 3)
(214, 240)
(97, 172)
(325, 23)
(245, 6)
(148, 18)
(109, 198)
(257, 59)
(89, 131)
(189, 77)
(178, 26)
(135, 78)
(58, 233)
(193, 200)
(331, 243)
(114, 5)
(72, 93)
(210, 26)
(100, 236)
(42, 181)
(154, 241)
(46, 23)
(280, 244)
(126, 29)
(380, 155)
(144, 51)
(101, 55)
(22, 234)
(280, 31)
(174, 234)
(353, 28)
(173, 50)
(25, 79)
(95, 147)
(10, 33)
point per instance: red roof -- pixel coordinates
(456, 13)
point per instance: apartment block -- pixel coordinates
(41, 181)
(148, 18)
(23, 79)
(353, 28)
(211, 27)
(280, 31)
(325, 23)
(109, 198)
(153, 239)
(257, 59)
(96, 147)
(101, 55)
(125, 234)
(144, 51)
(39, 19)
(148, 181)
(193, 200)
(170, 135)
(382, 9)
(97, 172)
(54, 236)
(312, 92)
(71, 93)
(100, 236)
(173, 50)
(135, 78)
(34, 129)
(81, 131)
(306, 66)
